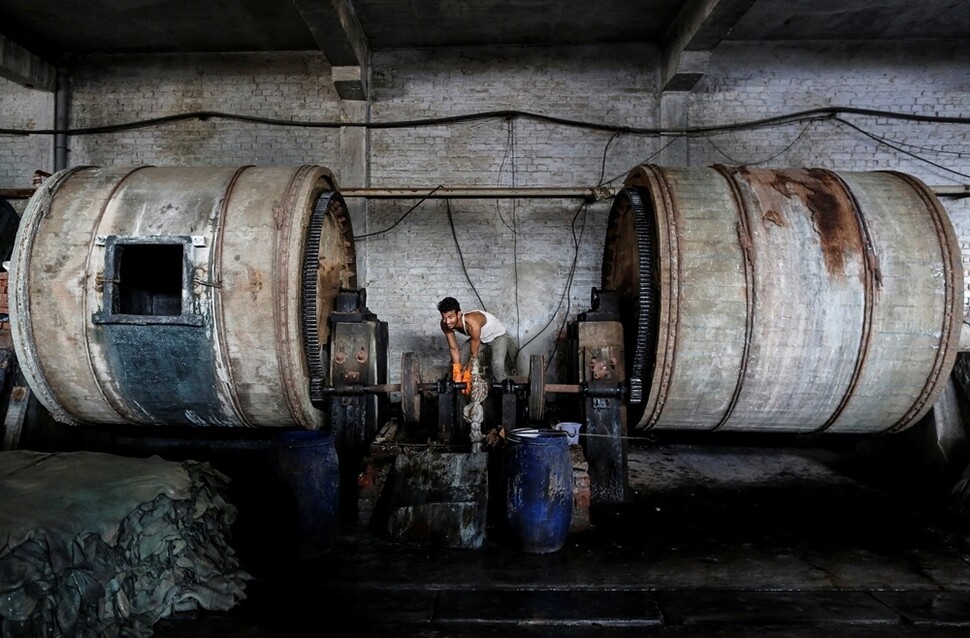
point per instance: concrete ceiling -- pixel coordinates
(346, 31)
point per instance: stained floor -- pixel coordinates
(717, 538)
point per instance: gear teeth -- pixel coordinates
(329, 203)
(646, 300)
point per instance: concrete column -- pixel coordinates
(354, 172)
(62, 119)
(673, 115)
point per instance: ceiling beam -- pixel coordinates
(19, 65)
(338, 33)
(698, 28)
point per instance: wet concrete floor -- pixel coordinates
(715, 539)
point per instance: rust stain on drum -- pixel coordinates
(774, 217)
(255, 281)
(833, 212)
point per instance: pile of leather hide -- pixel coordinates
(95, 544)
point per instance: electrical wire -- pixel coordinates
(816, 113)
(645, 160)
(509, 157)
(707, 138)
(928, 149)
(461, 258)
(603, 162)
(566, 295)
(501, 169)
(401, 218)
(567, 291)
(515, 240)
(885, 142)
(569, 278)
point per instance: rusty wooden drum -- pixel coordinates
(789, 300)
(180, 295)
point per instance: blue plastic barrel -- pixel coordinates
(306, 462)
(539, 489)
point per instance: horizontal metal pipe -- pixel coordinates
(466, 192)
(563, 388)
(62, 106)
(16, 193)
(591, 193)
(951, 190)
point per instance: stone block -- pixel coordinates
(435, 498)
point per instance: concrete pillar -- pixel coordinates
(673, 115)
(354, 172)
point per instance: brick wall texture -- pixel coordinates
(533, 262)
(20, 155)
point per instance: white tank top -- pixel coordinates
(491, 329)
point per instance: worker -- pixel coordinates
(484, 330)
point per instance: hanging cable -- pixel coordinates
(501, 169)
(606, 149)
(645, 160)
(566, 295)
(708, 139)
(883, 141)
(515, 242)
(569, 278)
(401, 218)
(777, 120)
(569, 281)
(461, 258)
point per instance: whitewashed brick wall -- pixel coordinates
(417, 263)
(287, 86)
(747, 83)
(410, 267)
(21, 155)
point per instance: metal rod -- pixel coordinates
(563, 388)
(385, 388)
(358, 390)
(951, 190)
(591, 193)
(62, 102)
(459, 192)
(16, 193)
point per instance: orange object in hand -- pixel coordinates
(466, 376)
(456, 372)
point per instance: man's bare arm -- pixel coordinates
(473, 324)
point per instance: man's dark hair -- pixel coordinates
(448, 304)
